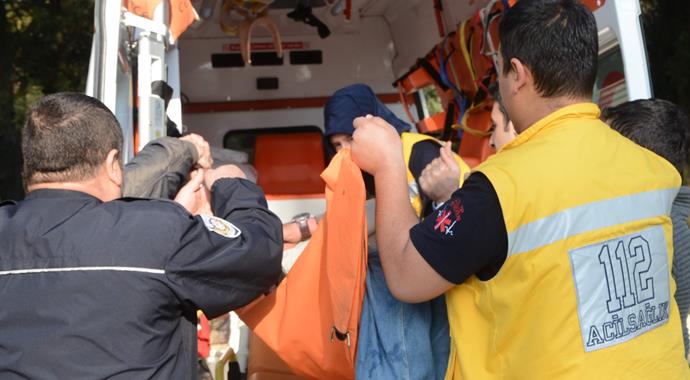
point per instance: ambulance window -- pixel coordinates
(428, 103)
(226, 60)
(306, 57)
(610, 88)
(245, 140)
(222, 60)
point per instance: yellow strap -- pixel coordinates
(230, 30)
(246, 10)
(473, 131)
(465, 52)
(228, 357)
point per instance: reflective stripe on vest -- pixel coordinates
(590, 217)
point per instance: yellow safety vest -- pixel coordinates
(408, 141)
(586, 290)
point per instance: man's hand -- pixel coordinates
(223, 171)
(441, 177)
(203, 149)
(376, 145)
(193, 196)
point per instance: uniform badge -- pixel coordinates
(221, 226)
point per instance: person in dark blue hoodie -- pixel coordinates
(396, 340)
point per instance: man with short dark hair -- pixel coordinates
(554, 255)
(663, 128)
(58, 146)
(99, 287)
(656, 124)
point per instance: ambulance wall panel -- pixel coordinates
(214, 125)
(414, 33)
(364, 55)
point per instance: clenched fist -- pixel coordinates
(441, 177)
(376, 145)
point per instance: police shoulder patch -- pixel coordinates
(221, 226)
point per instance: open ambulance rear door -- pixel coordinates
(134, 65)
(623, 72)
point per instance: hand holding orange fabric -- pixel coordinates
(376, 145)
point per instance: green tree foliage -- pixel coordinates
(668, 46)
(44, 48)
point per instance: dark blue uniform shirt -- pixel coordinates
(94, 290)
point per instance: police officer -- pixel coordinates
(99, 287)
(554, 255)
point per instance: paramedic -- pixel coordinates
(554, 255)
(96, 287)
(663, 128)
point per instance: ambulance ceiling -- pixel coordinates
(412, 23)
(211, 12)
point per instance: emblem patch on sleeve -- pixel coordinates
(221, 226)
(447, 215)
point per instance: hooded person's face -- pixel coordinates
(340, 141)
(351, 102)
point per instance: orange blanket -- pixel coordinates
(311, 320)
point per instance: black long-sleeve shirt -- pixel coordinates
(160, 169)
(93, 290)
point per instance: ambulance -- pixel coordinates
(253, 76)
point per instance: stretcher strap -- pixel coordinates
(448, 123)
(465, 52)
(472, 131)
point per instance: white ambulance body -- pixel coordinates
(231, 103)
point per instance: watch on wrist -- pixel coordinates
(302, 221)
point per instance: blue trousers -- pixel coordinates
(397, 340)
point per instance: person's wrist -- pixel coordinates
(391, 169)
(302, 222)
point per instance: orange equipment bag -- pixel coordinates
(311, 320)
(181, 15)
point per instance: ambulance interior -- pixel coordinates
(272, 108)
(430, 61)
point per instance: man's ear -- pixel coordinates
(520, 75)
(114, 167)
